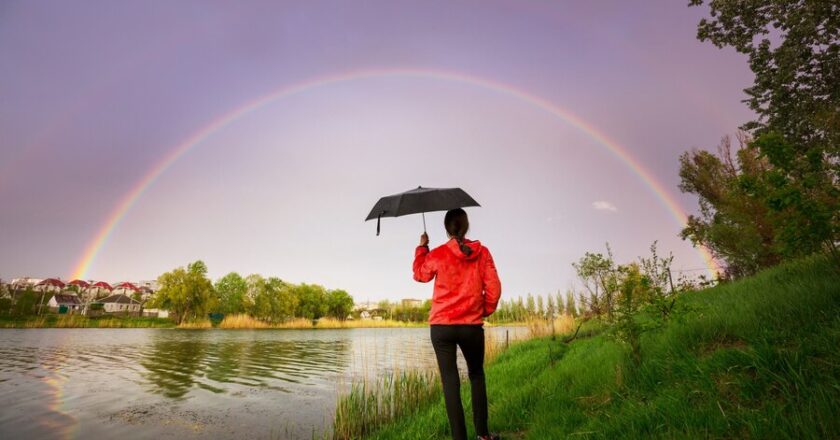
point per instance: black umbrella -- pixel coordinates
(420, 200)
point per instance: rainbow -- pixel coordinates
(621, 153)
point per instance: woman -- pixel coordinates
(467, 289)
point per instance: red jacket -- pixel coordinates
(467, 288)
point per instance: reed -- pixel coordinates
(539, 328)
(368, 405)
(196, 324)
(242, 321)
(245, 321)
(366, 323)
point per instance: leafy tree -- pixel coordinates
(571, 307)
(793, 48)
(549, 307)
(794, 52)
(733, 224)
(339, 304)
(559, 303)
(313, 301)
(531, 307)
(25, 303)
(186, 293)
(540, 306)
(598, 275)
(231, 291)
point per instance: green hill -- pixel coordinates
(757, 358)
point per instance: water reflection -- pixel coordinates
(176, 365)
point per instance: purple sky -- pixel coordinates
(95, 94)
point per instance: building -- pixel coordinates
(66, 301)
(156, 313)
(411, 303)
(364, 306)
(119, 303)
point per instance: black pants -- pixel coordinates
(470, 338)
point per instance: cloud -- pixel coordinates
(602, 205)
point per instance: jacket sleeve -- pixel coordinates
(492, 285)
(424, 269)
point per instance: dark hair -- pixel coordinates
(457, 224)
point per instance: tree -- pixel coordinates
(313, 301)
(571, 307)
(531, 307)
(549, 307)
(736, 226)
(795, 90)
(794, 52)
(540, 307)
(598, 275)
(560, 308)
(186, 293)
(339, 304)
(231, 292)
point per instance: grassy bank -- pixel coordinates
(78, 321)
(753, 359)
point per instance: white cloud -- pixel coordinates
(602, 205)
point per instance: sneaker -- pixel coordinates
(489, 437)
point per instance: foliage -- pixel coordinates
(794, 52)
(313, 301)
(571, 306)
(231, 291)
(25, 303)
(599, 277)
(186, 293)
(339, 304)
(733, 224)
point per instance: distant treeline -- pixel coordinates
(189, 294)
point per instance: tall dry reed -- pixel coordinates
(196, 324)
(539, 328)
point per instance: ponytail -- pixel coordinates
(457, 224)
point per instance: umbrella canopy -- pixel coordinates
(81, 283)
(102, 284)
(51, 282)
(420, 200)
(126, 285)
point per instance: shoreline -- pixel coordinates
(81, 322)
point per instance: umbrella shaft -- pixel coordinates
(424, 222)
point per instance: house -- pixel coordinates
(119, 303)
(364, 315)
(67, 300)
(156, 313)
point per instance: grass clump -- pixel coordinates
(755, 358)
(368, 405)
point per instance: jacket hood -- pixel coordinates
(455, 248)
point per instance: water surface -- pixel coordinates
(169, 383)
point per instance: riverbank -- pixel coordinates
(756, 358)
(79, 321)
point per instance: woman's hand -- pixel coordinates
(424, 240)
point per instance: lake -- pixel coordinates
(171, 383)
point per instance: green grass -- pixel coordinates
(758, 358)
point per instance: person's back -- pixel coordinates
(467, 289)
(461, 282)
